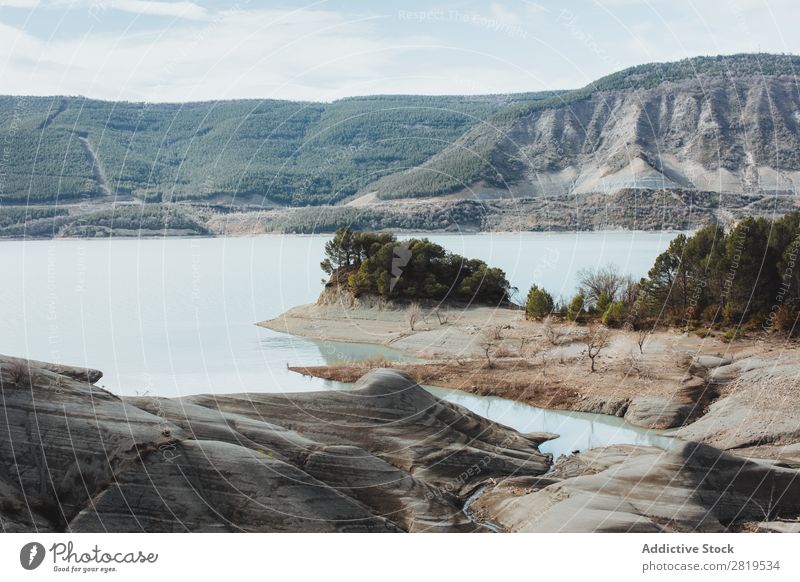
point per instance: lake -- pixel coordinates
(176, 316)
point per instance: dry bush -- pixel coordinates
(496, 331)
(551, 333)
(641, 338)
(596, 339)
(442, 315)
(684, 360)
(634, 364)
(489, 344)
(375, 362)
(503, 352)
(413, 314)
(19, 373)
(607, 281)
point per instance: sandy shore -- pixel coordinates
(741, 395)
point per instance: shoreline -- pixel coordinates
(730, 395)
(400, 232)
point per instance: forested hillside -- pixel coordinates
(273, 152)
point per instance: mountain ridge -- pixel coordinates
(725, 125)
(533, 138)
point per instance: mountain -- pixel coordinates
(723, 130)
(720, 124)
(265, 152)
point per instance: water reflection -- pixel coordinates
(577, 431)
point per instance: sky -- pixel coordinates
(190, 50)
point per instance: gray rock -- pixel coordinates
(387, 456)
(691, 487)
(658, 413)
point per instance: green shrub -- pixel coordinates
(575, 307)
(603, 301)
(540, 303)
(614, 315)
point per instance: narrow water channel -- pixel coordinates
(577, 431)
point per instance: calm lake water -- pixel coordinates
(176, 316)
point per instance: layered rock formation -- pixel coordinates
(691, 487)
(710, 124)
(387, 456)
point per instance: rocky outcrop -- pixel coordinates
(386, 456)
(691, 487)
(758, 404)
(721, 134)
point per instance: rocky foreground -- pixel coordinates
(385, 457)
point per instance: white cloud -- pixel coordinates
(153, 7)
(304, 54)
(174, 8)
(316, 53)
(19, 3)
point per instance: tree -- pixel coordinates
(751, 281)
(596, 339)
(603, 302)
(605, 282)
(539, 304)
(658, 287)
(339, 251)
(417, 269)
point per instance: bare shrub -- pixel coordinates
(641, 338)
(442, 315)
(684, 360)
(605, 281)
(496, 331)
(19, 372)
(596, 340)
(489, 343)
(635, 365)
(375, 362)
(551, 333)
(413, 314)
(502, 351)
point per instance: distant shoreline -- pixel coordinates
(400, 233)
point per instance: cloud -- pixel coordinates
(306, 54)
(19, 3)
(177, 9)
(187, 52)
(173, 8)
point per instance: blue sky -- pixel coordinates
(181, 50)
